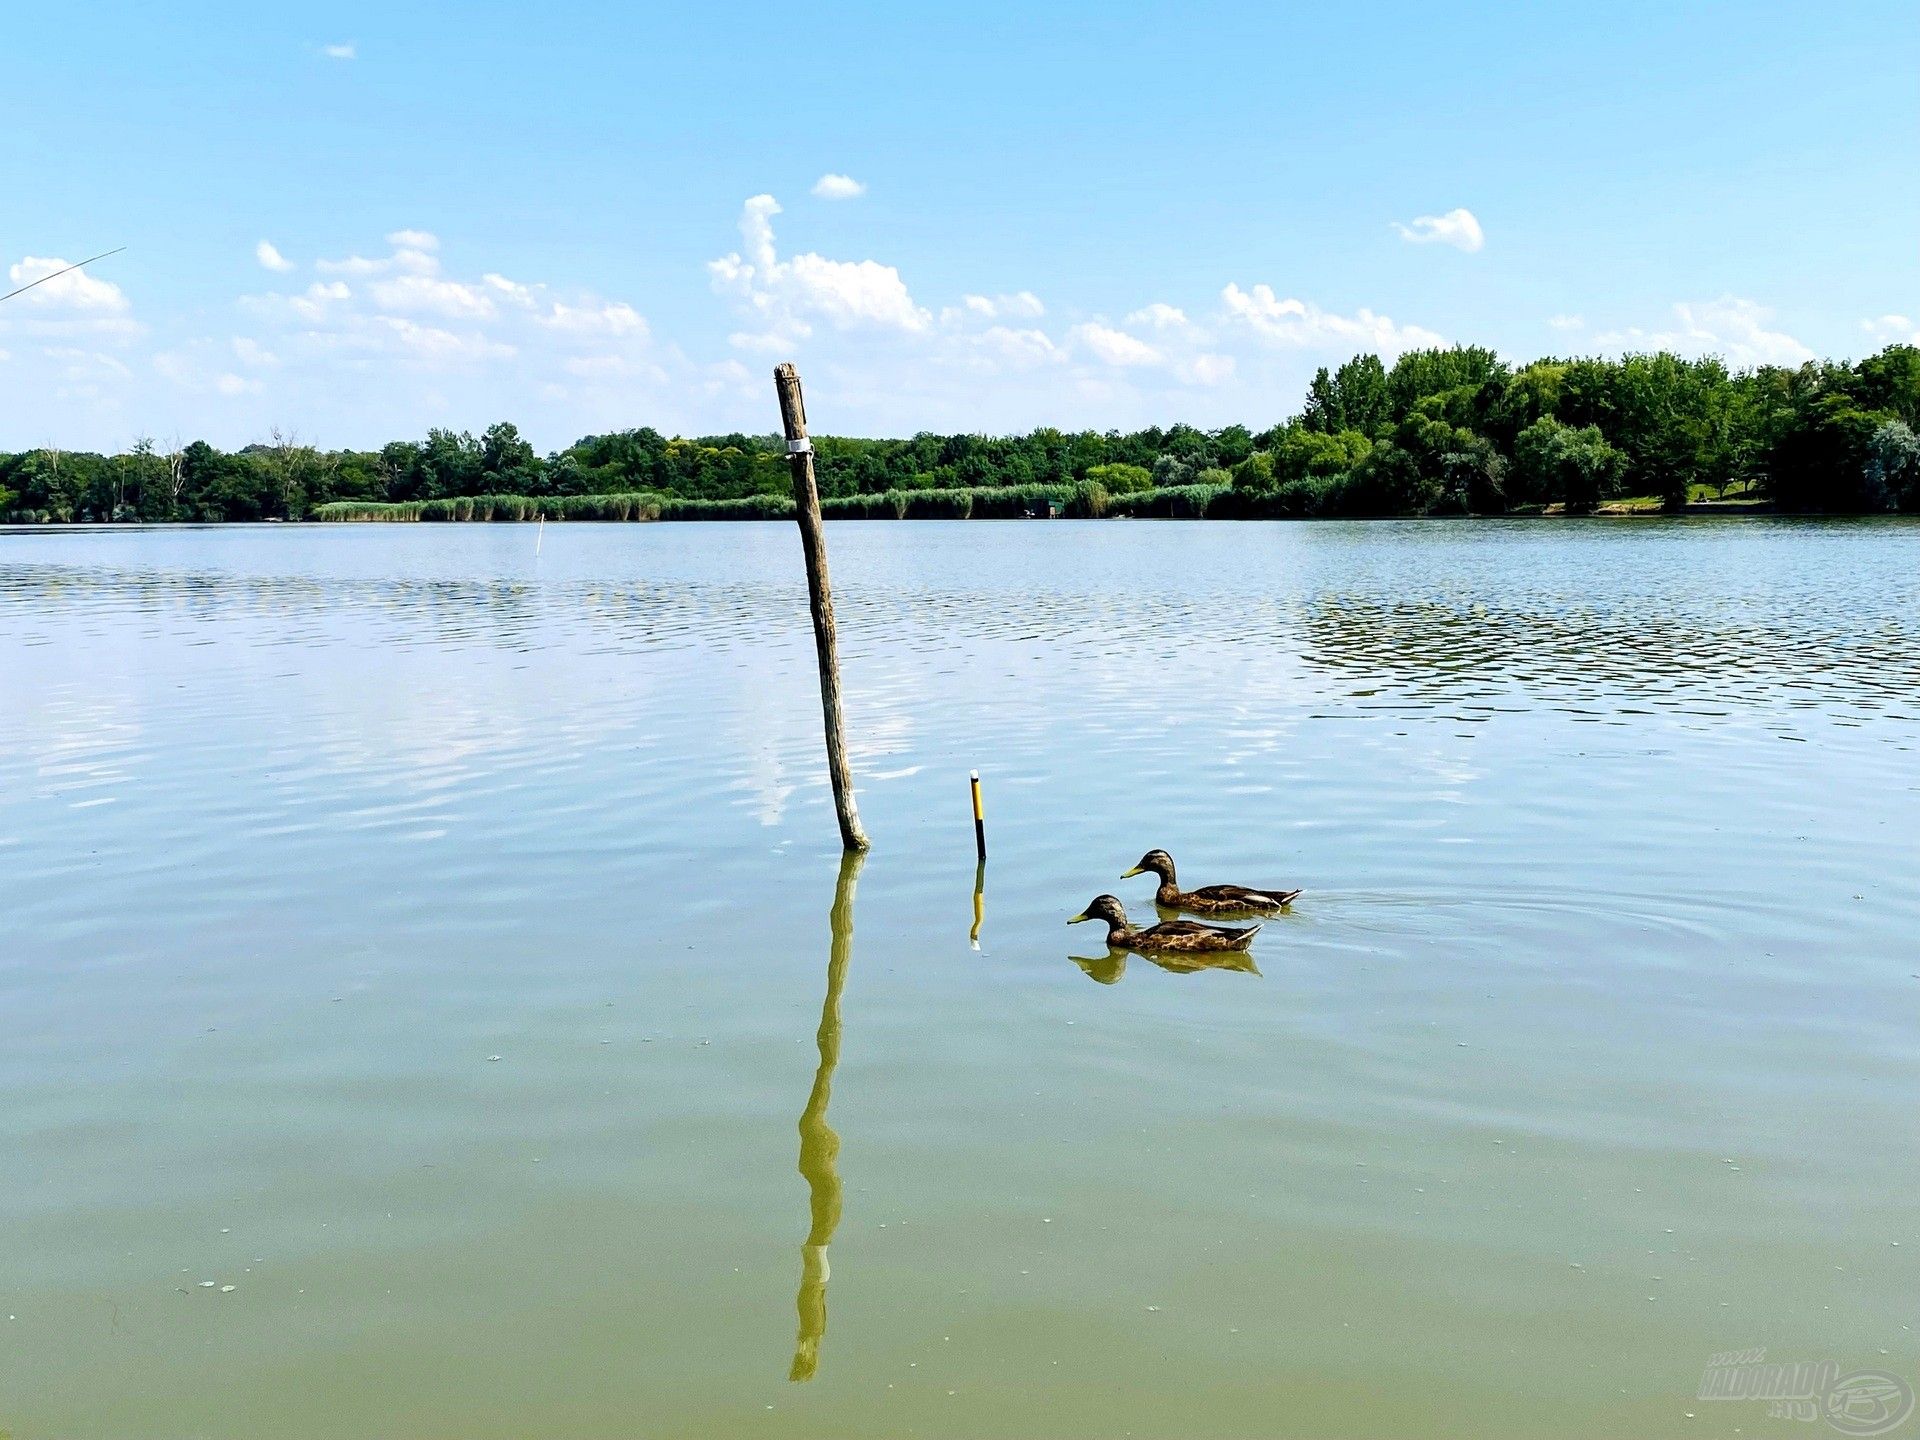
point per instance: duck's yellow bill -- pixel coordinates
(1078, 918)
(1133, 872)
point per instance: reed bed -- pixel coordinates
(1086, 499)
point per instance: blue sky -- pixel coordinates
(1078, 215)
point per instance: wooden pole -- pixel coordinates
(813, 544)
(979, 817)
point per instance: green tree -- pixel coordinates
(1819, 461)
(1420, 373)
(1893, 466)
(509, 463)
(1300, 453)
(1354, 397)
(1576, 467)
(1121, 479)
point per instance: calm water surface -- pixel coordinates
(444, 945)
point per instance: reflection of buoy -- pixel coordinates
(979, 816)
(979, 902)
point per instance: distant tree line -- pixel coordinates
(1439, 432)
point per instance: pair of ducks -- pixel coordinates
(1185, 937)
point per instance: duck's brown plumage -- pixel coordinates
(1209, 899)
(1173, 937)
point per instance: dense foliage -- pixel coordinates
(1445, 432)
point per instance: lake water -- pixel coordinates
(437, 934)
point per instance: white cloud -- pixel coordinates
(1730, 327)
(1019, 348)
(434, 295)
(785, 297)
(74, 307)
(196, 368)
(1208, 369)
(75, 292)
(270, 258)
(431, 343)
(615, 318)
(1298, 324)
(312, 305)
(82, 364)
(512, 290)
(1115, 347)
(1892, 330)
(405, 310)
(838, 187)
(345, 51)
(1161, 316)
(1023, 305)
(1566, 322)
(250, 352)
(1457, 228)
(419, 262)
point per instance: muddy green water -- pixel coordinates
(444, 945)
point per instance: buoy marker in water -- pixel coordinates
(539, 534)
(979, 815)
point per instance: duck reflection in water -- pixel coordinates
(819, 1145)
(1107, 969)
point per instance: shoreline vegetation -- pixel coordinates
(1195, 502)
(1439, 432)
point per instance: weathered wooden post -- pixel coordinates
(813, 544)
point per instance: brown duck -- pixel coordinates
(1211, 899)
(1174, 937)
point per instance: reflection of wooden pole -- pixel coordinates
(813, 542)
(819, 1145)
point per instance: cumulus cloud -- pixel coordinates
(1020, 348)
(75, 308)
(75, 292)
(1208, 369)
(838, 187)
(1161, 316)
(251, 353)
(1298, 324)
(786, 298)
(270, 258)
(343, 51)
(1457, 228)
(433, 294)
(1730, 327)
(198, 369)
(1023, 305)
(404, 307)
(601, 318)
(1892, 330)
(1115, 347)
(1566, 322)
